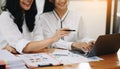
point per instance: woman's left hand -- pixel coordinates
(10, 49)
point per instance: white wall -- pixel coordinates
(94, 14)
(119, 6)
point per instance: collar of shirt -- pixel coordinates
(57, 17)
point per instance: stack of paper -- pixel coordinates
(12, 61)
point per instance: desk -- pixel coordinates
(110, 61)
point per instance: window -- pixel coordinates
(116, 16)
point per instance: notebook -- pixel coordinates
(105, 44)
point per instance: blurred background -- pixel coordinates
(100, 16)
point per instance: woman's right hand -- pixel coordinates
(61, 33)
(85, 47)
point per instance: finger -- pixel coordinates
(89, 48)
(92, 42)
(10, 49)
(14, 52)
(64, 33)
(84, 49)
(64, 29)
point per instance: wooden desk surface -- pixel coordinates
(111, 61)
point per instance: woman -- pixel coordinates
(17, 27)
(61, 17)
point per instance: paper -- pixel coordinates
(39, 60)
(67, 57)
(61, 52)
(13, 61)
(95, 58)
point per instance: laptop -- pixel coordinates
(105, 44)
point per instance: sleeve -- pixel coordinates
(37, 32)
(82, 35)
(62, 44)
(11, 33)
(3, 43)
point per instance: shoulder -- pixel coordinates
(6, 18)
(6, 15)
(43, 17)
(47, 14)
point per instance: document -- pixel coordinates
(39, 60)
(67, 57)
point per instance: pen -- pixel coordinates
(44, 65)
(69, 30)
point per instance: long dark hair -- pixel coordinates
(14, 8)
(48, 6)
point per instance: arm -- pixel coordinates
(36, 46)
(84, 42)
(11, 33)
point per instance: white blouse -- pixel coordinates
(10, 34)
(51, 22)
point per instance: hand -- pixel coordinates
(91, 43)
(82, 46)
(10, 49)
(61, 33)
